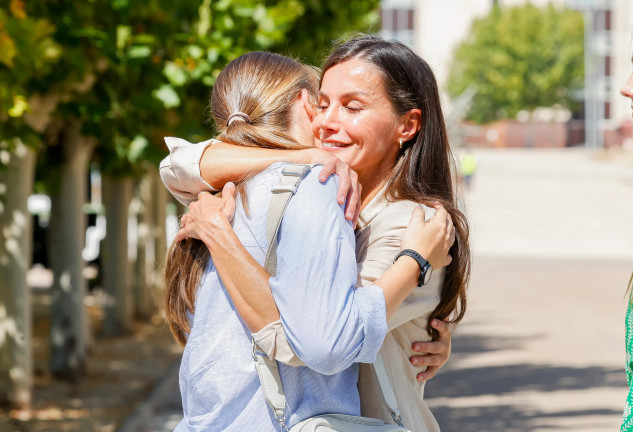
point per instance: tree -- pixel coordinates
(106, 80)
(325, 21)
(27, 52)
(520, 58)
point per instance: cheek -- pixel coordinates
(316, 121)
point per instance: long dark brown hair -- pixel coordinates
(424, 169)
(263, 86)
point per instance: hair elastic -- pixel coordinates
(238, 116)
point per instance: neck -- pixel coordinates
(372, 184)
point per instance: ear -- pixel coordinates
(307, 104)
(410, 124)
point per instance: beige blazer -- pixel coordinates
(380, 227)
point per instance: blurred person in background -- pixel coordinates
(627, 421)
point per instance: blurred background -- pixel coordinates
(544, 148)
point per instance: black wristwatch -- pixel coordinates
(425, 266)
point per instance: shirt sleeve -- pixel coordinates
(328, 322)
(180, 170)
(387, 229)
(272, 340)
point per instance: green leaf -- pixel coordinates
(167, 95)
(137, 146)
(176, 76)
(20, 106)
(137, 52)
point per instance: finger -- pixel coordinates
(181, 235)
(228, 189)
(443, 328)
(203, 193)
(344, 183)
(329, 168)
(428, 373)
(353, 198)
(228, 197)
(228, 194)
(433, 347)
(426, 360)
(357, 214)
(418, 215)
(441, 215)
(449, 221)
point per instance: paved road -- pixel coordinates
(542, 346)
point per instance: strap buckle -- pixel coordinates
(281, 189)
(281, 419)
(296, 170)
(397, 418)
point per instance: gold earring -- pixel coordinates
(400, 141)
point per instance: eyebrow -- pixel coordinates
(348, 94)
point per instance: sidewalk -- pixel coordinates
(162, 410)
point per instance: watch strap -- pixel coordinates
(422, 262)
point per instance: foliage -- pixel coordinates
(27, 53)
(520, 58)
(325, 21)
(133, 72)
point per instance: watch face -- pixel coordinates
(427, 274)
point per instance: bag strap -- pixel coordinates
(389, 397)
(267, 369)
(291, 177)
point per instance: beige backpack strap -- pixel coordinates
(291, 176)
(267, 370)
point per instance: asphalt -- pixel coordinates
(542, 344)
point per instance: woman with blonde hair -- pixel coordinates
(264, 100)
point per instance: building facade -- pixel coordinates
(435, 28)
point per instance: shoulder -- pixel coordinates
(314, 202)
(309, 188)
(398, 213)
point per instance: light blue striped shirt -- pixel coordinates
(330, 324)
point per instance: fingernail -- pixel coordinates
(435, 322)
(415, 361)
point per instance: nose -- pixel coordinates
(627, 88)
(329, 120)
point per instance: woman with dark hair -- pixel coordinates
(264, 99)
(379, 111)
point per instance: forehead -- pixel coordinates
(353, 75)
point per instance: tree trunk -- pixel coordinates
(69, 326)
(119, 310)
(16, 182)
(161, 198)
(144, 268)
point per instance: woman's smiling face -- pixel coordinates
(356, 119)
